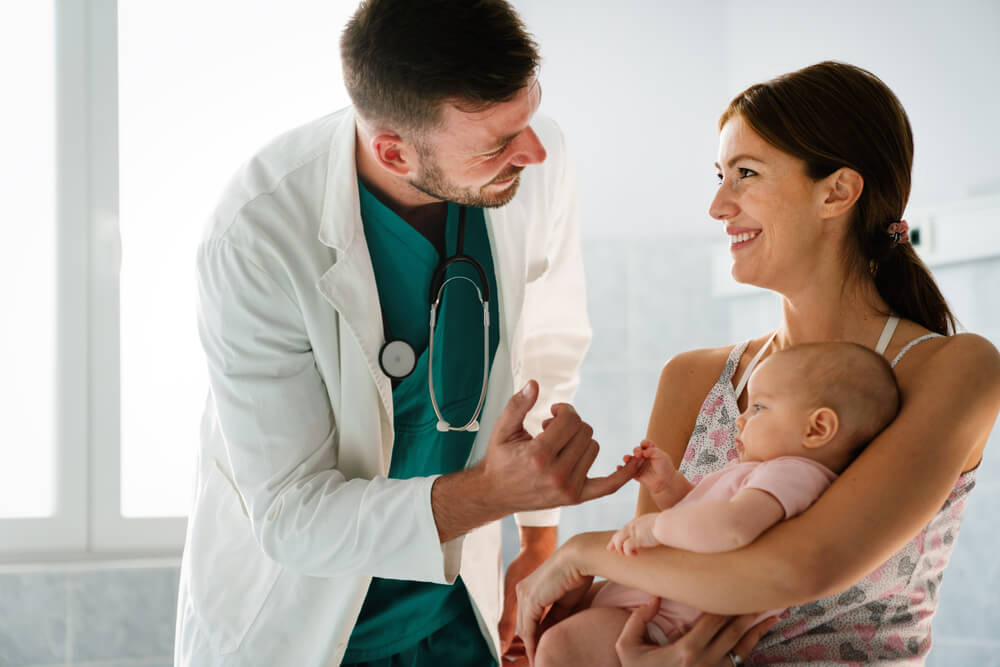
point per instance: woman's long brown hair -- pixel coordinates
(832, 115)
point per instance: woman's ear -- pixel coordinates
(841, 190)
(391, 152)
(821, 429)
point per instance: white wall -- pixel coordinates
(638, 86)
(940, 58)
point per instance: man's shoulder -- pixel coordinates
(287, 174)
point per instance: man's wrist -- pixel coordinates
(541, 540)
(463, 501)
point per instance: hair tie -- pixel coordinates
(899, 232)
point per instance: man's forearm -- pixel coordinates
(463, 501)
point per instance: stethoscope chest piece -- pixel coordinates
(397, 359)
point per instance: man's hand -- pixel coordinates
(521, 473)
(537, 544)
(636, 534)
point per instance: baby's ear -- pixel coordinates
(821, 428)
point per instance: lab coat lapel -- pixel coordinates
(507, 238)
(349, 285)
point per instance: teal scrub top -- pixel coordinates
(397, 614)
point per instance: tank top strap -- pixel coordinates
(911, 344)
(753, 363)
(887, 331)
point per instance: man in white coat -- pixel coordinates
(341, 515)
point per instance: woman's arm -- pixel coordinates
(684, 382)
(950, 403)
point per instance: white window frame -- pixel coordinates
(87, 522)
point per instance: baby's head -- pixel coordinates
(823, 401)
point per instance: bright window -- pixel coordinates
(201, 86)
(28, 262)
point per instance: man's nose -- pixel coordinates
(528, 149)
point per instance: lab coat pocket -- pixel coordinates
(231, 576)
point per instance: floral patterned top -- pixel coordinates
(883, 619)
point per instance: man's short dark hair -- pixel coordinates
(403, 58)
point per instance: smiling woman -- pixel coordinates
(813, 197)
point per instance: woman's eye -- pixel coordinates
(745, 173)
(718, 179)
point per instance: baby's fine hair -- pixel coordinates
(854, 381)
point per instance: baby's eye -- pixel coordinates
(746, 173)
(757, 407)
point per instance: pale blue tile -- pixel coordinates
(32, 619)
(123, 614)
(605, 267)
(670, 306)
(957, 652)
(969, 607)
(603, 401)
(752, 315)
(608, 348)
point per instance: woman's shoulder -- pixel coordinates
(961, 354)
(703, 367)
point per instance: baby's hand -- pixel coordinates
(636, 534)
(657, 468)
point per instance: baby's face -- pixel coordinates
(776, 419)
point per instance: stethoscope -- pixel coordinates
(398, 358)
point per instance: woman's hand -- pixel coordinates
(556, 582)
(716, 641)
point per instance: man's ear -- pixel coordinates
(392, 153)
(841, 190)
(821, 429)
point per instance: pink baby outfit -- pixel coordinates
(883, 619)
(795, 482)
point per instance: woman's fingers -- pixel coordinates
(633, 634)
(751, 638)
(730, 637)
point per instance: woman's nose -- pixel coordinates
(723, 206)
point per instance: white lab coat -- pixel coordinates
(292, 513)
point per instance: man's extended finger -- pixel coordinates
(598, 487)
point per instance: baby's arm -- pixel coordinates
(718, 525)
(658, 474)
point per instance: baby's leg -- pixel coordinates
(585, 638)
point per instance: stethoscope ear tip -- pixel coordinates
(443, 426)
(473, 427)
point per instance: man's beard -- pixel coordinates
(435, 184)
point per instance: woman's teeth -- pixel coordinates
(741, 238)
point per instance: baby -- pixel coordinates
(811, 409)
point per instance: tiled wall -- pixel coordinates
(105, 617)
(648, 301)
